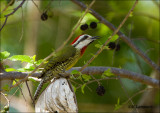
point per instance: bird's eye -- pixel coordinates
(85, 37)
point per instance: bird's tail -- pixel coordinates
(37, 93)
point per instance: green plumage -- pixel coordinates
(63, 60)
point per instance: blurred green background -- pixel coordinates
(29, 35)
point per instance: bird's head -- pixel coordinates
(82, 41)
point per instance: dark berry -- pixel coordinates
(84, 27)
(117, 47)
(44, 16)
(112, 45)
(93, 25)
(100, 90)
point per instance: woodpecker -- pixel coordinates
(64, 60)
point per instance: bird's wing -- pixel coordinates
(61, 56)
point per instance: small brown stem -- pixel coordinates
(14, 10)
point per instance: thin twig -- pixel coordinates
(22, 25)
(14, 93)
(11, 2)
(48, 6)
(36, 6)
(29, 91)
(21, 91)
(115, 32)
(14, 10)
(8, 101)
(121, 35)
(137, 94)
(89, 82)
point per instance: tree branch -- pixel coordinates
(121, 35)
(14, 10)
(92, 71)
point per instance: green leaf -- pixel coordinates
(29, 67)
(34, 58)
(22, 58)
(14, 82)
(38, 62)
(108, 72)
(10, 69)
(6, 87)
(21, 70)
(6, 66)
(114, 38)
(82, 88)
(106, 47)
(103, 76)
(86, 77)
(131, 14)
(98, 45)
(4, 55)
(32, 79)
(117, 106)
(80, 78)
(75, 72)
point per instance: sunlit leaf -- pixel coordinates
(86, 77)
(131, 14)
(31, 68)
(82, 88)
(14, 82)
(108, 72)
(117, 106)
(80, 78)
(4, 55)
(103, 76)
(10, 69)
(34, 58)
(32, 79)
(21, 70)
(22, 58)
(6, 87)
(38, 62)
(75, 72)
(98, 45)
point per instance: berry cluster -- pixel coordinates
(113, 45)
(44, 16)
(84, 27)
(100, 90)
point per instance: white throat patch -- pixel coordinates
(82, 41)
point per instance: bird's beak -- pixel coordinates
(95, 37)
